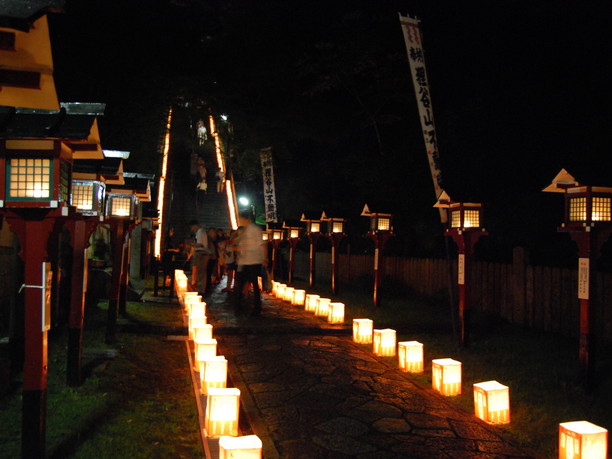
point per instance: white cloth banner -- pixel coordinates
(416, 58)
(267, 170)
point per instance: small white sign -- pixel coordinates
(583, 278)
(461, 269)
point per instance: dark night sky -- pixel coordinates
(520, 89)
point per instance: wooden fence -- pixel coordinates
(539, 297)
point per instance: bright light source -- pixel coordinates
(243, 201)
(224, 117)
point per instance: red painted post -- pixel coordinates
(118, 234)
(314, 237)
(380, 240)
(292, 245)
(336, 239)
(125, 276)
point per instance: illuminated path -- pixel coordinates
(313, 393)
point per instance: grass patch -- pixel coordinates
(137, 404)
(540, 369)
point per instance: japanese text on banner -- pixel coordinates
(267, 170)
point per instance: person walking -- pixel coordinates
(200, 258)
(252, 256)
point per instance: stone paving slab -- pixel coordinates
(323, 396)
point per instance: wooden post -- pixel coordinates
(314, 237)
(118, 234)
(292, 245)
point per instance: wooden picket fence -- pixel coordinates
(539, 297)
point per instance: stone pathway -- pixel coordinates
(313, 393)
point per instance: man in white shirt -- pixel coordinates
(200, 257)
(252, 256)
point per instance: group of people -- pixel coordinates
(242, 257)
(201, 177)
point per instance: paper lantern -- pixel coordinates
(198, 309)
(203, 349)
(202, 333)
(280, 290)
(222, 407)
(363, 330)
(582, 440)
(246, 447)
(322, 307)
(213, 373)
(288, 293)
(335, 314)
(190, 300)
(195, 322)
(410, 356)
(384, 342)
(311, 303)
(186, 297)
(492, 402)
(299, 297)
(275, 287)
(446, 376)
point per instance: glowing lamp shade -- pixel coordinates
(87, 196)
(194, 323)
(191, 300)
(446, 376)
(465, 215)
(246, 447)
(119, 205)
(213, 373)
(288, 293)
(335, 314)
(363, 330)
(299, 297)
(581, 440)
(280, 290)
(29, 179)
(380, 222)
(410, 356)
(198, 309)
(311, 303)
(337, 227)
(315, 227)
(274, 287)
(222, 408)
(203, 333)
(203, 350)
(294, 233)
(264, 236)
(492, 402)
(384, 342)
(322, 307)
(277, 235)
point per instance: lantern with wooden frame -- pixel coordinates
(446, 376)
(335, 234)
(88, 197)
(313, 231)
(275, 237)
(265, 236)
(384, 343)
(120, 205)
(588, 220)
(222, 411)
(293, 236)
(213, 373)
(464, 226)
(410, 356)
(363, 329)
(245, 447)
(492, 402)
(582, 440)
(381, 229)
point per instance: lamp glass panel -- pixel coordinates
(601, 209)
(121, 207)
(294, 233)
(29, 178)
(384, 224)
(578, 209)
(276, 235)
(264, 236)
(456, 219)
(315, 227)
(337, 227)
(471, 218)
(82, 196)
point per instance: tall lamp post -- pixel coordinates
(313, 231)
(293, 236)
(465, 228)
(335, 233)
(381, 230)
(588, 220)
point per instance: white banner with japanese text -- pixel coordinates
(267, 171)
(414, 46)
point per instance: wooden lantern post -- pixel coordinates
(381, 230)
(464, 227)
(335, 234)
(275, 237)
(293, 236)
(313, 231)
(588, 220)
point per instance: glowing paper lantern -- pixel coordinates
(288, 293)
(322, 307)
(275, 287)
(187, 298)
(384, 342)
(203, 349)
(190, 300)
(582, 440)
(311, 303)
(492, 402)
(446, 376)
(202, 333)
(363, 330)
(246, 447)
(280, 290)
(299, 297)
(195, 322)
(410, 356)
(213, 373)
(198, 309)
(222, 407)
(336, 313)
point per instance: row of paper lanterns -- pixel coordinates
(577, 439)
(222, 402)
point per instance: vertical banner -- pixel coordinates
(267, 170)
(414, 46)
(583, 278)
(461, 269)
